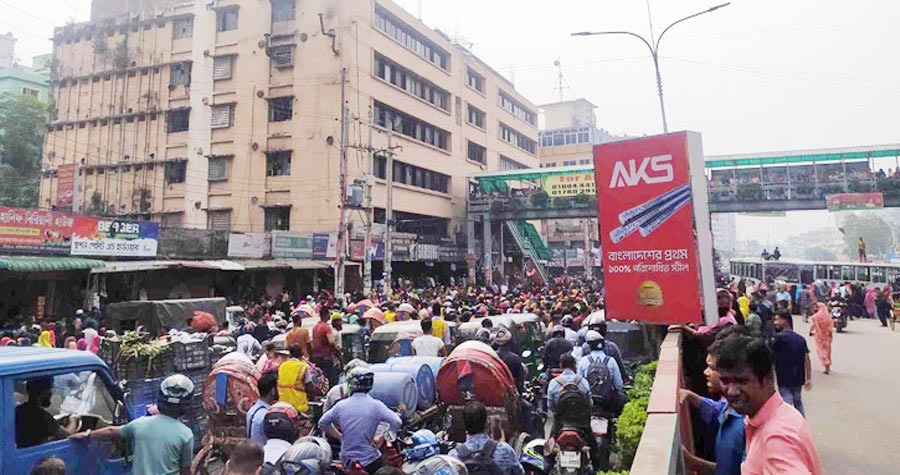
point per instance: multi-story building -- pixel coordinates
(21, 80)
(227, 114)
(724, 230)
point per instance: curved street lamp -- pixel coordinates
(654, 51)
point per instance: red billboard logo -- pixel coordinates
(634, 175)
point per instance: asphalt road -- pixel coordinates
(854, 412)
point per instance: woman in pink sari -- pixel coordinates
(869, 303)
(822, 328)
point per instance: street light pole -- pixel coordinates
(653, 46)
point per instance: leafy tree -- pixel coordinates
(877, 233)
(819, 254)
(22, 126)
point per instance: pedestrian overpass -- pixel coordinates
(502, 203)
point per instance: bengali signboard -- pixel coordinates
(114, 237)
(570, 184)
(854, 201)
(65, 185)
(292, 245)
(35, 231)
(324, 246)
(657, 264)
(248, 245)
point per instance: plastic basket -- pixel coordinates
(191, 355)
(142, 393)
(109, 351)
(131, 369)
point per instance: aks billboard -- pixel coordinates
(114, 237)
(654, 229)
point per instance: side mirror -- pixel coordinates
(540, 367)
(526, 354)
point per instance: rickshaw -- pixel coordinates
(393, 339)
(354, 342)
(468, 330)
(473, 371)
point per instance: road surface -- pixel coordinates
(853, 412)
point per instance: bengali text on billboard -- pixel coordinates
(114, 237)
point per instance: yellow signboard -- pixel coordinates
(570, 184)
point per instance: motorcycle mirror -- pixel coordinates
(526, 354)
(540, 367)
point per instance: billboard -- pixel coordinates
(65, 186)
(292, 245)
(854, 201)
(114, 237)
(654, 229)
(35, 231)
(569, 184)
(248, 245)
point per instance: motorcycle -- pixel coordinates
(839, 316)
(572, 454)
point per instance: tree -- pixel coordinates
(877, 233)
(23, 121)
(819, 254)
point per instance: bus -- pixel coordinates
(806, 272)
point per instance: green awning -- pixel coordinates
(45, 264)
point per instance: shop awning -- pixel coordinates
(306, 264)
(47, 264)
(133, 266)
(296, 264)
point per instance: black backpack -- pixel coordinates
(572, 405)
(600, 380)
(481, 462)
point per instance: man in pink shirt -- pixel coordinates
(778, 438)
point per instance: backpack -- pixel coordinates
(481, 462)
(319, 381)
(572, 405)
(600, 380)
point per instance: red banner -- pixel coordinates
(651, 265)
(852, 201)
(65, 185)
(35, 231)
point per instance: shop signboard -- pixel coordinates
(357, 251)
(37, 231)
(569, 184)
(426, 252)
(854, 201)
(248, 245)
(320, 246)
(114, 237)
(654, 229)
(65, 186)
(292, 245)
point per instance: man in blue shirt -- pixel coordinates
(354, 421)
(792, 365)
(720, 419)
(595, 342)
(268, 395)
(567, 363)
(502, 455)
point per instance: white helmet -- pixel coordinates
(441, 465)
(176, 389)
(308, 456)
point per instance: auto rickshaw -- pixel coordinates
(393, 339)
(531, 338)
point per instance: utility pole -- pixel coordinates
(370, 212)
(586, 229)
(342, 228)
(388, 214)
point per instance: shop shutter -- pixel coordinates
(222, 66)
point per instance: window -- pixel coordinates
(412, 40)
(475, 80)
(411, 82)
(476, 117)
(555, 138)
(508, 164)
(172, 220)
(477, 153)
(27, 91)
(176, 171)
(282, 55)
(390, 118)
(278, 219)
(183, 28)
(278, 163)
(226, 19)
(509, 135)
(218, 220)
(82, 393)
(283, 10)
(413, 175)
(178, 120)
(180, 74)
(569, 163)
(281, 108)
(517, 109)
(218, 168)
(586, 161)
(222, 116)
(222, 67)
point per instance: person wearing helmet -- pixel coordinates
(598, 356)
(555, 347)
(339, 392)
(354, 421)
(162, 445)
(422, 445)
(532, 458)
(502, 342)
(568, 322)
(280, 426)
(441, 465)
(308, 456)
(609, 347)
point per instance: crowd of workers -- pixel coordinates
(744, 374)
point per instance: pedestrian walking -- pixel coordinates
(792, 365)
(869, 303)
(822, 327)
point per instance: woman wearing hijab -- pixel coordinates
(869, 303)
(44, 340)
(822, 327)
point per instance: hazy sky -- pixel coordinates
(759, 75)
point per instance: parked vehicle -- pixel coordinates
(159, 316)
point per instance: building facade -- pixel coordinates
(227, 115)
(21, 80)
